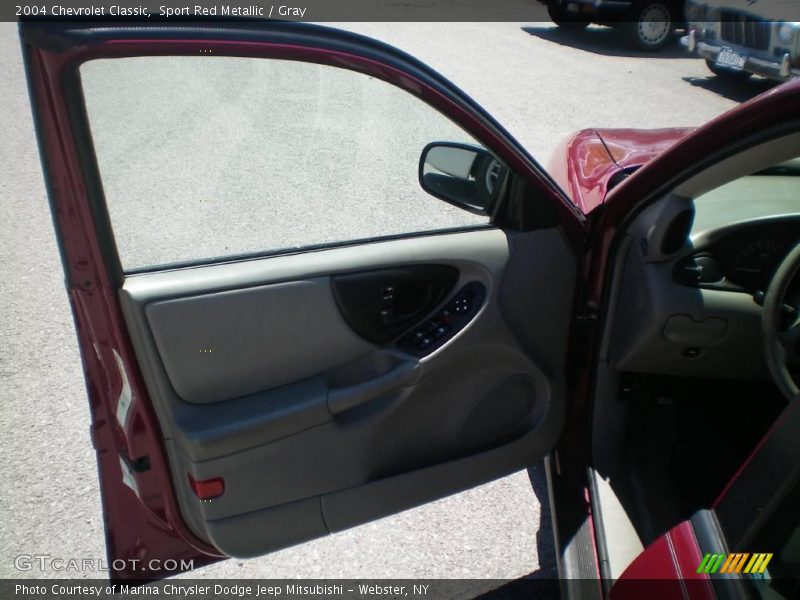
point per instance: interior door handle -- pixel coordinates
(341, 399)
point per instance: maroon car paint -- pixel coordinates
(582, 165)
(635, 147)
(585, 162)
(672, 561)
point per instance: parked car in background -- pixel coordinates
(739, 39)
(648, 24)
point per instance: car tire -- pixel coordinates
(650, 24)
(727, 74)
(566, 19)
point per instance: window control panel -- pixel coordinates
(387, 304)
(434, 332)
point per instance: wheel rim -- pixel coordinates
(654, 24)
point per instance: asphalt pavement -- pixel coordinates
(541, 83)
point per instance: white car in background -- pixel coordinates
(745, 37)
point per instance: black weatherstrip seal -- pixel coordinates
(711, 541)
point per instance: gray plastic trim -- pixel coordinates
(360, 430)
(656, 319)
(252, 534)
(355, 506)
(489, 247)
(194, 427)
(643, 339)
(225, 345)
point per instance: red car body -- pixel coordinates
(587, 165)
(671, 559)
(590, 162)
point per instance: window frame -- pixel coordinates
(303, 247)
(450, 102)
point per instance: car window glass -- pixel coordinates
(204, 157)
(770, 192)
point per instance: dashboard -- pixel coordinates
(742, 257)
(684, 302)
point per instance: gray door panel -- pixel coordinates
(255, 533)
(314, 429)
(225, 345)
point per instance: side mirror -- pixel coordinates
(463, 175)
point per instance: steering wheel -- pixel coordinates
(780, 325)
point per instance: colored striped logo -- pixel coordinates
(736, 562)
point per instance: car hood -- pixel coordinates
(589, 163)
(771, 10)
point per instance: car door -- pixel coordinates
(282, 334)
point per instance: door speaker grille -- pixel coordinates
(503, 413)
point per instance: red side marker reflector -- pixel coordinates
(207, 488)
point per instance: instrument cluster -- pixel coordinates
(743, 260)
